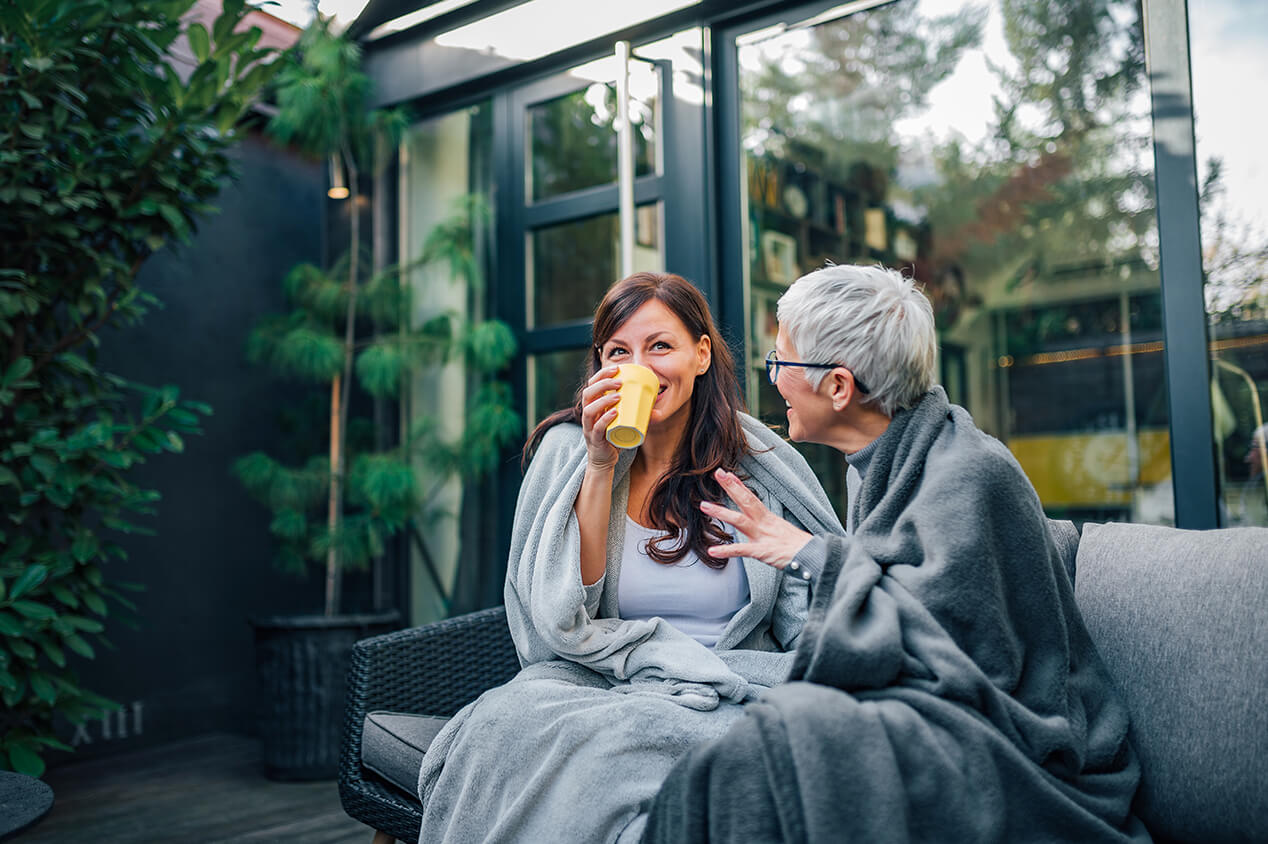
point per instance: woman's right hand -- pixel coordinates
(597, 412)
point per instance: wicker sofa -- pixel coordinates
(1181, 618)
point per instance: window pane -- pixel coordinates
(445, 173)
(573, 264)
(1000, 153)
(1229, 47)
(553, 378)
(572, 139)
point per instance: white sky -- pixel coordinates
(1229, 47)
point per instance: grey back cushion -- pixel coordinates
(1181, 620)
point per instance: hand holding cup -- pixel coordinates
(599, 410)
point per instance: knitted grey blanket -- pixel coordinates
(945, 688)
(569, 749)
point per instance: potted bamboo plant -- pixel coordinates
(349, 327)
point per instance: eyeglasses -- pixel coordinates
(773, 364)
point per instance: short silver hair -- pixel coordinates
(872, 320)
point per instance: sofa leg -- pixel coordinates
(383, 838)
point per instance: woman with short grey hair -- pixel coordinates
(873, 317)
(945, 687)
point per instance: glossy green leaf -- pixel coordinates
(23, 648)
(94, 602)
(199, 41)
(34, 610)
(9, 626)
(25, 760)
(77, 644)
(85, 546)
(88, 625)
(28, 580)
(64, 594)
(42, 686)
(55, 654)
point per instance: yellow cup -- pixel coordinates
(639, 386)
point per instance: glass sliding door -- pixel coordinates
(999, 153)
(445, 169)
(1228, 43)
(564, 218)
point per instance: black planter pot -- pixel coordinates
(302, 677)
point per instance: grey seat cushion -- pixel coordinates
(1181, 619)
(393, 744)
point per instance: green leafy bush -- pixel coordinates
(339, 508)
(382, 492)
(107, 154)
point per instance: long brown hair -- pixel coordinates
(713, 440)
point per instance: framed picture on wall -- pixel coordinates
(779, 257)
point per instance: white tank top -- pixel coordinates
(696, 599)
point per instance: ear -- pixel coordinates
(704, 354)
(839, 387)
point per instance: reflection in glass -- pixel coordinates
(553, 379)
(445, 163)
(573, 141)
(573, 264)
(1229, 47)
(1001, 154)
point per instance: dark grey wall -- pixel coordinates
(189, 667)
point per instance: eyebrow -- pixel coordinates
(649, 338)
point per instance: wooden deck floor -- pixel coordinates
(204, 789)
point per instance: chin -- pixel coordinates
(794, 429)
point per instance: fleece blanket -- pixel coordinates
(571, 748)
(945, 687)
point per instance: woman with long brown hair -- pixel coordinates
(636, 643)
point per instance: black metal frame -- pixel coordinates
(1188, 361)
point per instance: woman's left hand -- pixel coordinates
(770, 539)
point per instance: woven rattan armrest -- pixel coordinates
(435, 669)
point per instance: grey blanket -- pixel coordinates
(945, 688)
(569, 749)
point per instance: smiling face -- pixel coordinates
(656, 338)
(810, 411)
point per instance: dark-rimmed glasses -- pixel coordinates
(773, 363)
